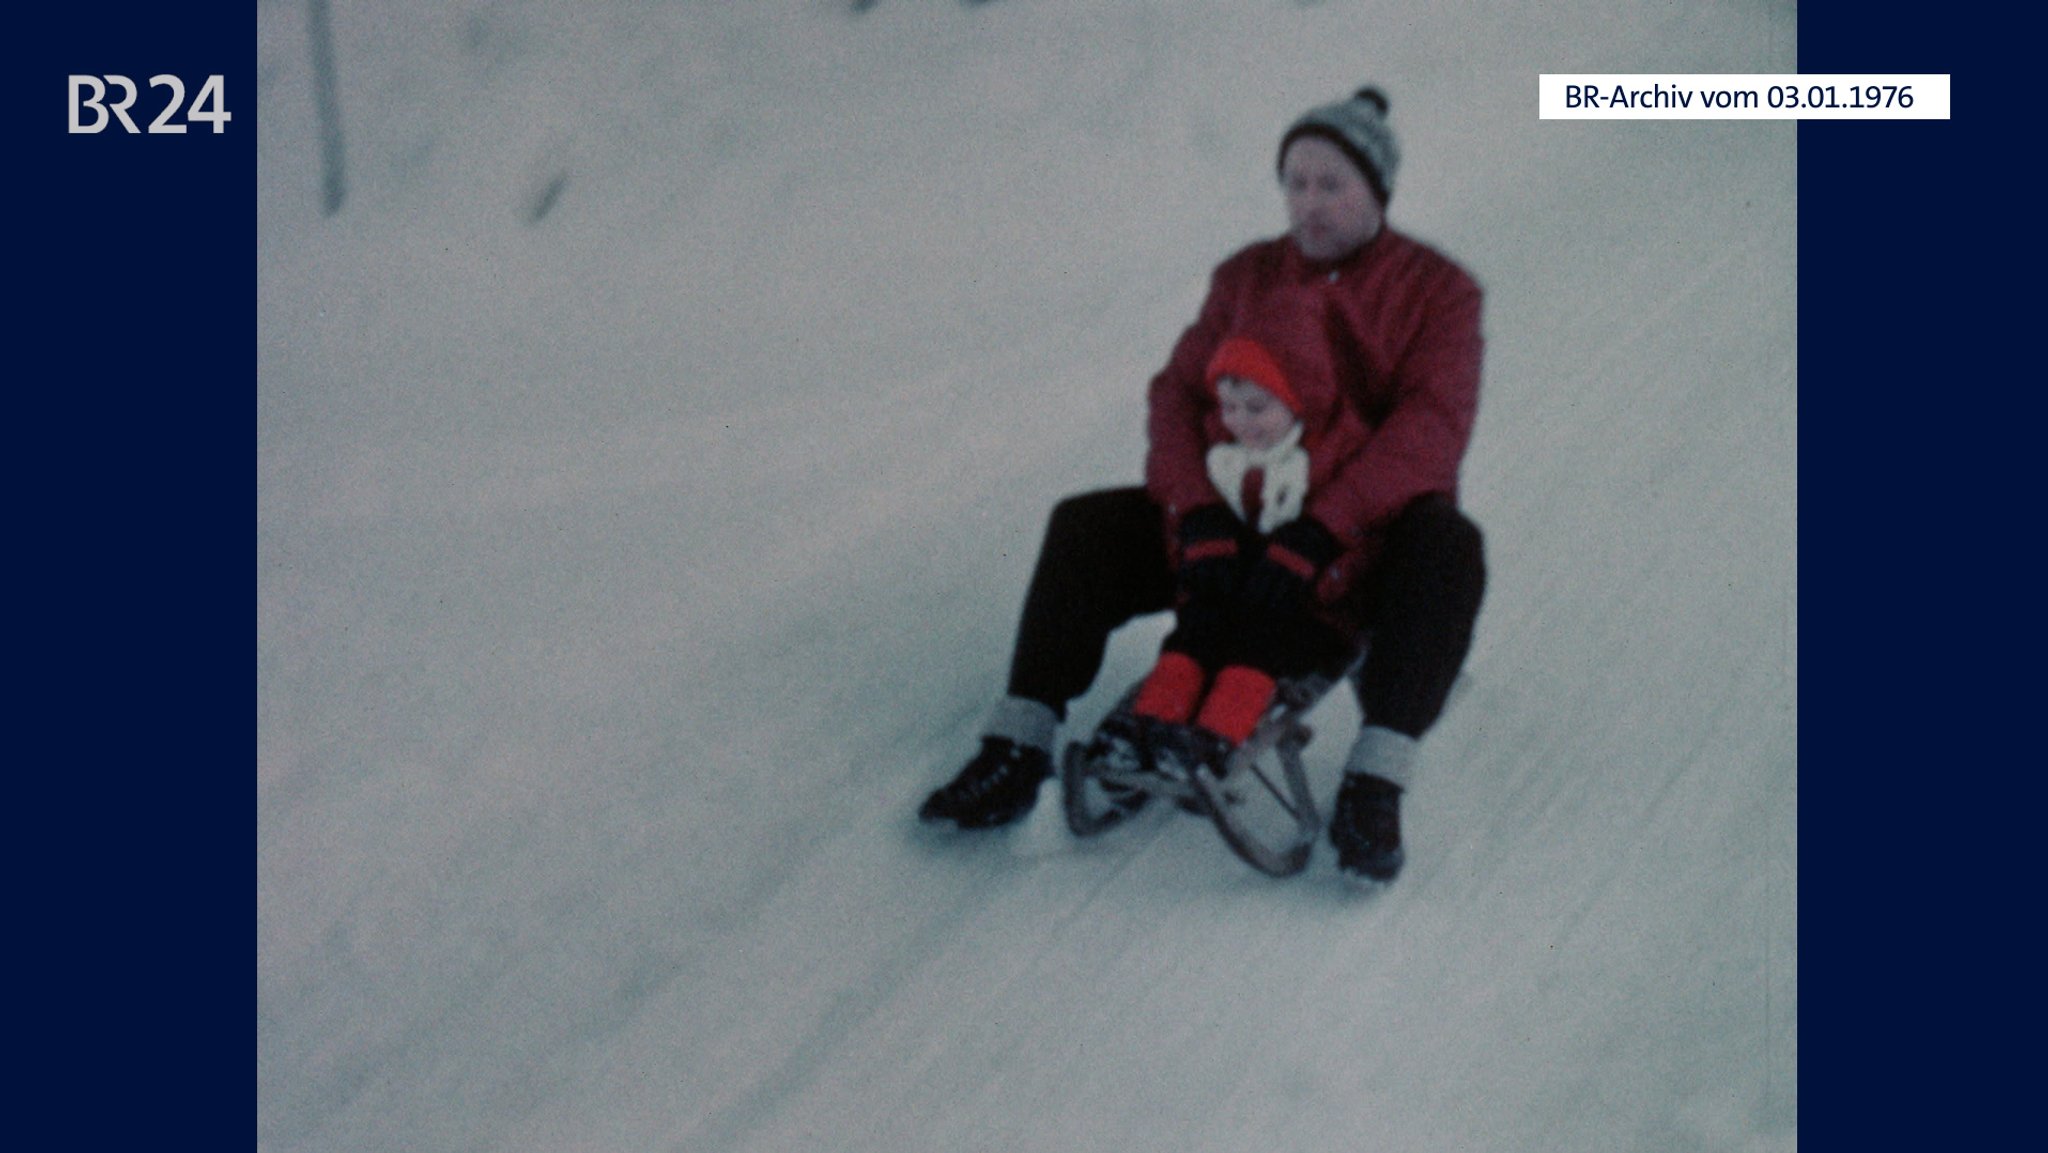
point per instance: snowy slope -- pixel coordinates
(652, 451)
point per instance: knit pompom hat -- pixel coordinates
(1247, 359)
(1358, 126)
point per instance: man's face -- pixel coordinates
(1331, 210)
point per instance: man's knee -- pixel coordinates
(1091, 520)
(1434, 533)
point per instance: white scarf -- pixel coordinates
(1286, 480)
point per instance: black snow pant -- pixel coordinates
(1104, 561)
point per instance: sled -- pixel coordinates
(1260, 803)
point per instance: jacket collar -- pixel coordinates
(1316, 269)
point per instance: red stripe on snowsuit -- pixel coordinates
(1292, 561)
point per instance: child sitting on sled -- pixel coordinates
(1247, 607)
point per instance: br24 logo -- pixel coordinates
(208, 105)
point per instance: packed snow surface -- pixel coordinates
(652, 450)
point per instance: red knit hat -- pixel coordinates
(1247, 359)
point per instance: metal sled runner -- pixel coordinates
(1261, 803)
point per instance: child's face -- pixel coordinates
(1255, 417)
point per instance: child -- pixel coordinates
(1237, 629)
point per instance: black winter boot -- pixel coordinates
(1178, 750)
(1366, 827)
(998, 786)
(1121, 745)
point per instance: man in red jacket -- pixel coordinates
(1382, 546)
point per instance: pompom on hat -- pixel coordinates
(1247, 359)
(1358, 126)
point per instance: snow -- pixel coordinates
(651, 454)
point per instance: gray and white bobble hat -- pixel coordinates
(1356, 124)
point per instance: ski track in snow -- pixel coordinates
(652, 452)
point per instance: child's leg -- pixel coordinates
(1197, 644)
(1265, 650)
(1235, 703)
(1202, 639)
(1171, 690)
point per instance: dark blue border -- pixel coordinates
(1916, 418)
(131, 548)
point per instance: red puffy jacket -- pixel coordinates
(1401, 326)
